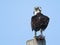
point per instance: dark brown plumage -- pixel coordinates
(39, 21)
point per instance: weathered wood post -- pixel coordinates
(36, 41)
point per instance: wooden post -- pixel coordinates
(36, 42)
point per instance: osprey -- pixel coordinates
(39, 22)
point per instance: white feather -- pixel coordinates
(36, 12)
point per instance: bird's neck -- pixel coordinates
(36, 12)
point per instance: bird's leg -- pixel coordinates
(35, 34)
(41, 31)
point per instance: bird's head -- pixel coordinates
(37, 10)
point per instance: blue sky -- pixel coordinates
(15, 18)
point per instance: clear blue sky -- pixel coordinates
(15, 17)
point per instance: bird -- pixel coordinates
(39, 21)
